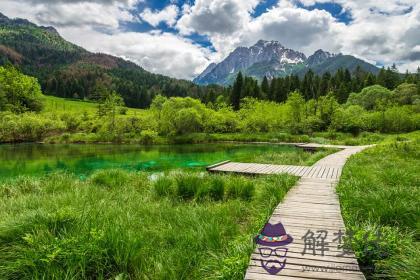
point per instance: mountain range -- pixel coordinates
(67, 70)
(272, 59)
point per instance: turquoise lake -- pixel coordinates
(39, 159)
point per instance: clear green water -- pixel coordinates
(38, 159)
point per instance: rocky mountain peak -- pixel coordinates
(272, 59)
(320, 56)
(51, 30)
(3, 17)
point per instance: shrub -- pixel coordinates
(187, 185)
(406, 94)
(348, 119)
(224, 120)
(370, 97)
(148, 137)
(72, 122)
(27, 127)
(164, 186)
(240, 188)
(19, 93)
(181, 115)
(110, 178)
(217, 188)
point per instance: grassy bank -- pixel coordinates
(119, 225)
(379, 193)
(333, 138)
(185, 120)
(299, 157)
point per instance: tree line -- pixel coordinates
(312, 86)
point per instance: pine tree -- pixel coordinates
(237, 92)
(265, 87)
(370, 80)
(273, 89)
(308, 85)
(325, 83)
(381, 79)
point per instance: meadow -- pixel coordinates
(124, 225)
(380, 198)
(119, 224)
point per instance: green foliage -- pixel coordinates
(18, 93)
(69, 71)
(109, 104)
(188, 186)
(28, 127)
(295, 103)
(103, 229)
(348, 119)
(298, 157)
(238, 187)
(372, 97)
(379, 193)
(182, 115)
(217, 188)
(236, 95)
(407, 94)
(164, 186)
(113, 178)
(261, 116)
(187, 120)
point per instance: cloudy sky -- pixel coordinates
(180, 38)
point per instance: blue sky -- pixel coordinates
(335, 9)
(180, 38)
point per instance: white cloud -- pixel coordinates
(380, 31)
(157, 52)
(168, 15)
(97, 14)
(80, 21)
(216, 17)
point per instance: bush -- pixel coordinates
(406, 94)
(217, 188)
(400, 119)
(148, 137)
(110, 178)
(240, 188)
(222, 121)
(187, 186)
(181, 115)
(72, 122)
(19, 93)
(27, 127)
(371, 97)
(164, 186)
(348, 120)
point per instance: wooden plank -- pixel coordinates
(299, 271)
(311, 205)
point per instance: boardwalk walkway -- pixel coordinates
(312, 205)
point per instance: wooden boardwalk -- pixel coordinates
(312, 205)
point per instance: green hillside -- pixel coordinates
(66, 70)
(333, 64)
(73, 106)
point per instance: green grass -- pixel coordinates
(333, 138)
(76, 121)
(120, 225)
(299, 157)
(380, 192)
(59, 105)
